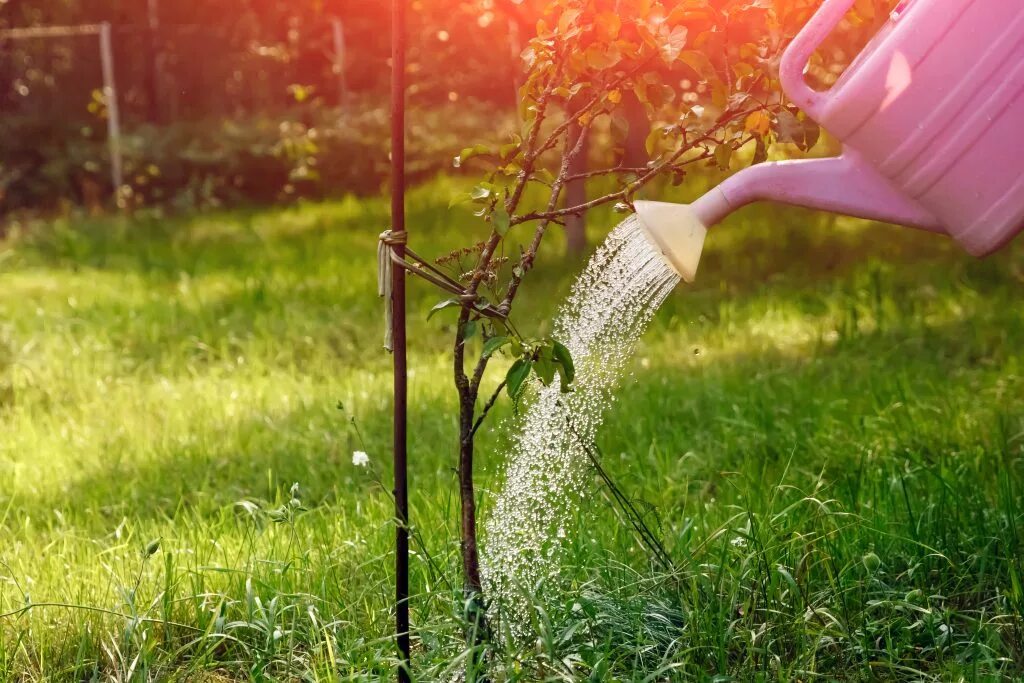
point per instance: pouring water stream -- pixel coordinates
(608, 309)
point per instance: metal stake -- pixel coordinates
(398, 337)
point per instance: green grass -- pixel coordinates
(828, 426)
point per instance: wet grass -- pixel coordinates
(827, 431)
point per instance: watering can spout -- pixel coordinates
(676, 231)
(843, 184)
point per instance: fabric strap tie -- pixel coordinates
(385, 253)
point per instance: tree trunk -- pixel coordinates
(634, 154)
(467, 494)
(475, 622)
(575, 194)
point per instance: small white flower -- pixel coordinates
(738, 542)
(360, 458)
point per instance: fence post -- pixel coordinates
(339, 59)
(113, 114)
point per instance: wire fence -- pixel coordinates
(183, 72)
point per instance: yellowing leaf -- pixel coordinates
(699, 62)
(615, 96)
(758, 122)
(603, 56)
(608, 25)
(723, 154)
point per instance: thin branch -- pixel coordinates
(607, 171)
(487, 408)
(610, 197)
(526, 261)
(651, 174)
(636, 520)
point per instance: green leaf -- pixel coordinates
(509, 150)
(460, 198)
(545, 176)
(516, 377)
(440, 306)
(469, 330)
(493, 344)
(564, 359)
(500, 220)
(470, 152)
(544, 365)
(481, 192)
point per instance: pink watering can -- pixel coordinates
(931, 117)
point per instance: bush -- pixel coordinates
(310, 152)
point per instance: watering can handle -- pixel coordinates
(794, 60)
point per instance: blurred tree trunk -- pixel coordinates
(153, 48)
(575, 194)
(634, 153)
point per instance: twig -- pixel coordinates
(607, 171)
(487, 407)
(636, 520)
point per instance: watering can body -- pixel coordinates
(931, 117)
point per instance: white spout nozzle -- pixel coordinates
(677, 232)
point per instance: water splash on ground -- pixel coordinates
(609, 308)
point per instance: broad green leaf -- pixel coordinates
(516, 377)
(460, 198)
(469, 330)
(470, 152)
(493, 344)
(564, 358)
(544, 365)
(440, 306)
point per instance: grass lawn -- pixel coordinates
(829, 425)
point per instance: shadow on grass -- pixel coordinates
(823, 403)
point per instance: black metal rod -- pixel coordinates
(398, 338)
